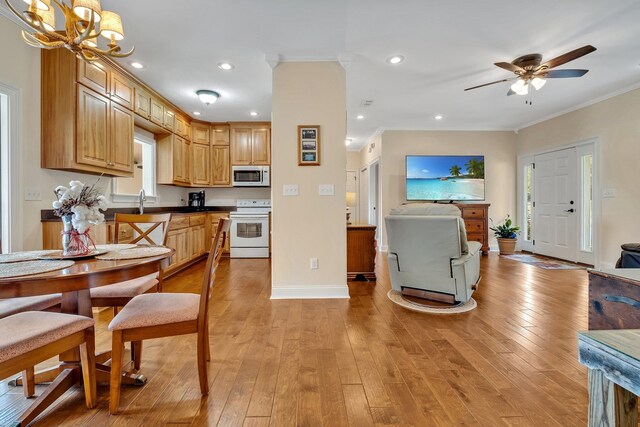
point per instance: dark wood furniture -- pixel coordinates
(613, 359)
(361, 251)
(476, 221)
(74, 284)
(614, 299)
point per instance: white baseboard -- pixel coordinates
(310, 292)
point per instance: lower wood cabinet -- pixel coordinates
(52, 234)
(213, 227)
(361, 252)
(178, 240)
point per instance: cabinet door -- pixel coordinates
(121, 90)
(157, 112)
(260, 147)
(241, 146)
(121, 138)
(94, 75)
(178, 240)
(220, 135)
(181, 127)
(186, 161)
(220, 165)
(199, 133)
(143, 103)
(179, 161)
(169, 119)
(92, 128)
(200, 170)
(197, 241)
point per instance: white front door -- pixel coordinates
(556, 201)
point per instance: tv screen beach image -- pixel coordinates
(445, 177)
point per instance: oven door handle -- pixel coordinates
(250, 218)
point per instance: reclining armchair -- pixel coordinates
(429, 255)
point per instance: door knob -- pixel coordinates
(570, 210)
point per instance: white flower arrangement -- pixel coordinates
(81, 201)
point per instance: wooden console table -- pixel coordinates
(613, 359)
(361, 251)
(614, 299)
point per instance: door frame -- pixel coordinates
(355, 216)
(10, 185)
(580, 147)
(375, 191)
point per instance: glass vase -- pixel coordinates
(74, 243)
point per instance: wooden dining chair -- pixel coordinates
(36, 336)
(159, 315)
(118, 294)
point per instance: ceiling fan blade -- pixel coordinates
(489, 84)
(564, 74)
(509, 67)
(569, 56)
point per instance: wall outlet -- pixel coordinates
(609, 193)
(313, 263)
(290, 190)
(326, 189)
(32, 194)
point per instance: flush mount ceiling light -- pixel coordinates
(438, 117)
(208, 96)
(360, 117)
(395, 59)
(254, 113)
(226, 66)
(137, 65)
(84, 21)
(196, 113)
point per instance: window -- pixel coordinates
(144, 161)
(528, 202)
(586, 220)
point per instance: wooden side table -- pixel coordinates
(361, 251)
(613, 359)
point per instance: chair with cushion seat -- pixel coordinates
(119, 294)
(429, 255)
(158, 315)
(37, 336)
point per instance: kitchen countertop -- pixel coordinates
(47, 215)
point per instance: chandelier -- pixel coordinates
(84, 22)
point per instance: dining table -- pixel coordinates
(74, 283)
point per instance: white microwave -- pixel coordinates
(250, 176)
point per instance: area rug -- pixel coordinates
(399, 299)
(543, 262)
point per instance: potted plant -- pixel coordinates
(506, 234)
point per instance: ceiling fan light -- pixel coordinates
(520, 87)
(538, 82)
(111, 26)
(208, 96)
(83, 9)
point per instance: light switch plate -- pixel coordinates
(326, 189)
(32, 194)
(290, 190)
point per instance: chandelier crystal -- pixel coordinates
(84, 22)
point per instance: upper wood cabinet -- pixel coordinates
(200, 165)
(200, 133)
(142, 106)
(121, 132)
(183, 128)
(121, 90)
(169, 120)
(157, 111)
(220, 166)
(220, 135)
(250, 144)
(94, 75)
(173, 163)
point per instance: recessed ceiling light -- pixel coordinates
(137, 65)
(196, 113)
(359, 117)
(438, 117)
(347, 141)
(395, 59)
(254, 113)
(226, 66)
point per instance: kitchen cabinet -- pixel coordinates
(104, 134)
(197, 240)
(183, 128)
(178, 240)
(250, 144)
(213, 227)
(220, 135)
(200, 133)
(172, 155)
(121, 90)
(200, 165)
(220, 166)
(142, 106)
(169, 119)
(52, 234)
(94, 75)
(157, 111)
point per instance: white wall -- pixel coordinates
(498, 148)
(309, 225)
(615, 123)
(21, 70)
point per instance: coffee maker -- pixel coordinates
(196, 200)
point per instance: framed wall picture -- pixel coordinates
(308, 145)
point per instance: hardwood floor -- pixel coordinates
(360, 362)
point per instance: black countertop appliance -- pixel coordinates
(196, 200)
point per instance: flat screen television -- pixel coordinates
(444, 178)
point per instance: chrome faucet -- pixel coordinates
(142, 197)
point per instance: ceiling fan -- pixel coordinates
(529, 70)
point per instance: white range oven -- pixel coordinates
(250, 228)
